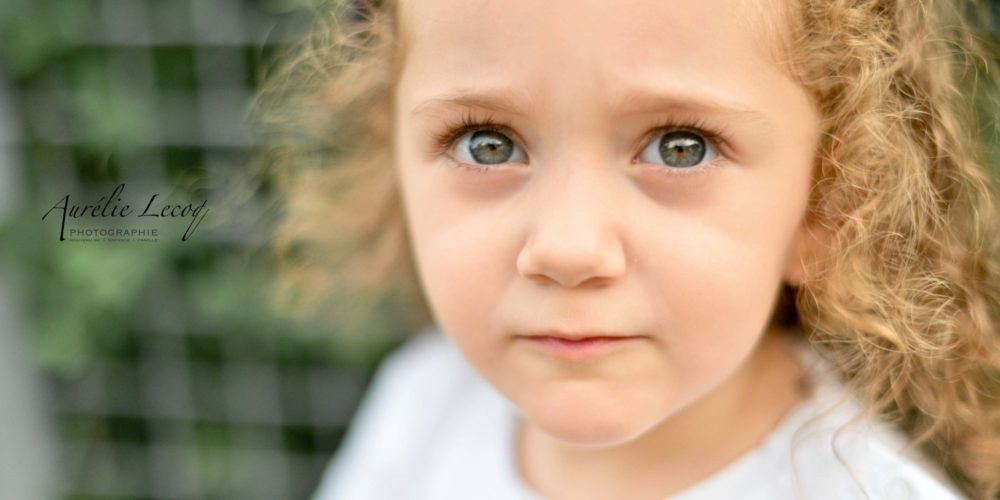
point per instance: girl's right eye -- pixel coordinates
(487, 147)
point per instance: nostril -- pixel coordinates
(571, 266)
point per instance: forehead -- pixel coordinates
(723, 45)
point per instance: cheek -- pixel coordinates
(713, 294)
(719, 282)
(717, 271)
(461, 251)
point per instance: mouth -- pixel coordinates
(577, 346)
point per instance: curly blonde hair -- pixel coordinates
(908, 301)
(906, 298)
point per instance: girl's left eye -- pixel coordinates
(679, 149)
(488, 147)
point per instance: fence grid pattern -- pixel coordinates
(176, 409)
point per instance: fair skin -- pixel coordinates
(581, 223)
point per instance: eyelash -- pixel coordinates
(453, 131)
(716, 137)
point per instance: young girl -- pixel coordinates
(669, 249)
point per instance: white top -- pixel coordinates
(430, 428)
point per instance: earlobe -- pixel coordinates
(795, 273)
(802, 257)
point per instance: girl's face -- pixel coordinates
(646, 174)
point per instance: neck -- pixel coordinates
(680, 451)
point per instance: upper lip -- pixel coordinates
(578, 335)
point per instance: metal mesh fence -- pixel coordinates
(184, 390)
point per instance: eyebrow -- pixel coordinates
(649, 101)
(634, 101)
(495, 100)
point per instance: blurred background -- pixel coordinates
(153, 367)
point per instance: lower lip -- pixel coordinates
(578, 349)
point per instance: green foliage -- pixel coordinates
(109, 114)
(91, 300)
(33, 32)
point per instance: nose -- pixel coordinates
(573, 238)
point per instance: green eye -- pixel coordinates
(678, 149)
(488, 147)
(682, 149)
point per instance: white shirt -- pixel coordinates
(430, 428)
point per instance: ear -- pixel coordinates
(809, 244)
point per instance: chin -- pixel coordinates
(601, 424)
(590, 432)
